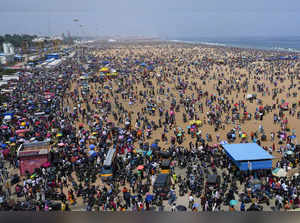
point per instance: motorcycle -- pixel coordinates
(181, 190)
(184, 118)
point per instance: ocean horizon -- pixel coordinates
(290, 44)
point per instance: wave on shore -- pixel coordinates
(241, 45)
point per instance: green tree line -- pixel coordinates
(17, 40)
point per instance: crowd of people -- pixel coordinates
(154, 102)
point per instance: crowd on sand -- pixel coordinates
(153, 102)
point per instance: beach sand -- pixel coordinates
(180, 58)
(173, 60)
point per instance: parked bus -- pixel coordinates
(109, 165)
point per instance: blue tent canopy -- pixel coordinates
(248, 156)
(246, 151)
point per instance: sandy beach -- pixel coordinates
(190, 63)
(184, 98)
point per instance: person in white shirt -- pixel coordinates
(191, 201)
(152, 179)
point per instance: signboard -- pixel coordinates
(31, 162)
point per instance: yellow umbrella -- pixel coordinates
(198, 122)
(59, 134)
(192, 122)
(244, 135)
(23, 123)
(104, 69)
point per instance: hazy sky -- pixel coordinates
(164, 18)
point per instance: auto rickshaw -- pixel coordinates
(165, 167)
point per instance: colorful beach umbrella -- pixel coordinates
(198, 122)
(140, 167)
(104, 69)
(279, 172)
(233, 202)
(192, 122)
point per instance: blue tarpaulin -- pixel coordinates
(8, 113)
(52, 56)
(248, 156)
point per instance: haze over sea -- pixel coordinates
(291, 44)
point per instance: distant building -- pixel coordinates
(8, 55)
(8, 48)
(6, 58)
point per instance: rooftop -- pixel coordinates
(246, 151)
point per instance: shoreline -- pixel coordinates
(183, 43)
(230, 46)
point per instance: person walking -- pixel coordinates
(191, 201)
